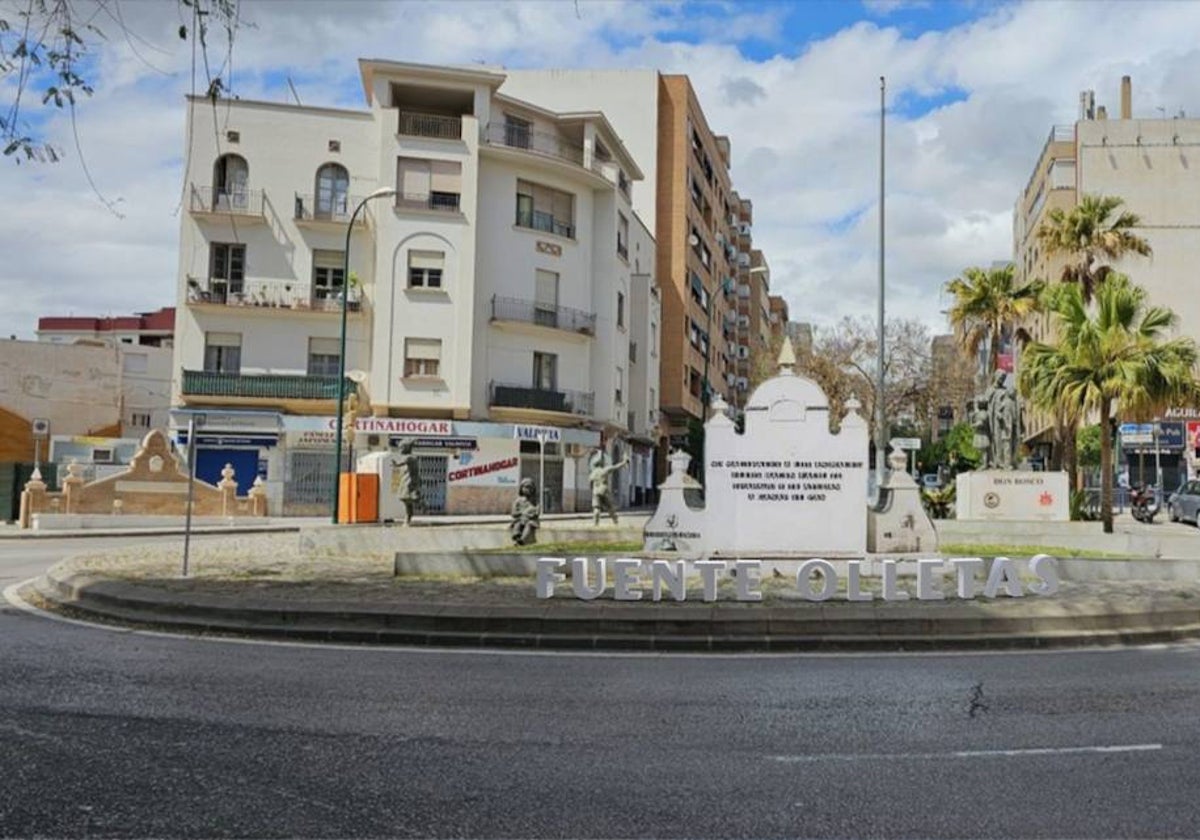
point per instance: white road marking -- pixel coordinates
(1119, 748)
(11, 596)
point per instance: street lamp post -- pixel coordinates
(542, 434)
(382, 192)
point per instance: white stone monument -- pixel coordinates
(677, 524)
(787, 485)
(1012, 496)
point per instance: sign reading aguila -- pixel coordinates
(589, 578)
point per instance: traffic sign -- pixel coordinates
(906, 443)
(1137, 433)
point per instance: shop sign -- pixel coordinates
(480, 470)
(437, 442)
(398, 426)
(552, 434)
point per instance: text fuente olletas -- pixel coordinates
(816, 579)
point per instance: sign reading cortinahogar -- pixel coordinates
(590, 578)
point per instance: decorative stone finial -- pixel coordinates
(898, 460)
(36, 475)
(718, 405)
(853, 405)
(787, 357)
(75, 469)
(680, 461)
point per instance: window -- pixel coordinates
(422, 356)
(545, 371)
(653, 338)
(543, 208)
(333, 186)
(622, 236)
(621, 310)
(620, 391)
(231, 179)
(545, 298)
(140, 420)
(329, 274)
(226, 269)
(425, 269)
(428, 184)
(653, 405)
(222, 352)
(517, 132)
(324, 357)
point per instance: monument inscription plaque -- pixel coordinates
(787, 484)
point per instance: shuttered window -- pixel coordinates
(425, 269)
(422, 356)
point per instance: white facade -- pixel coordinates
(487, 290)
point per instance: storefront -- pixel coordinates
(248, 441)
(465, 466)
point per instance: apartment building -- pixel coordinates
(954, 381)
(703, 229)
(1150, 162)
(491, 301)
(777, 308)
(147, 329)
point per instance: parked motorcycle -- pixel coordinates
(1143, 503)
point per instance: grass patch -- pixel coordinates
(1005, 550)
(579, 549)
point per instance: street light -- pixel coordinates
(382, 192)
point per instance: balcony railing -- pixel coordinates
(445, 202)
(439, 126)
(201, 383)
(336, 209)
(270, 294)
(543, 314)
(540, 220)
(236, 201)
(502, 395)
(537, 142)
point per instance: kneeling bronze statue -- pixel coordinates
(525, 514)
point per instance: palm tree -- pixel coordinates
(1114, 356)
(1088, 233)
(987, 304)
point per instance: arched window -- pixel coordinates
(231, 179)
(333, 184)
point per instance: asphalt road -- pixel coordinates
(111, 733)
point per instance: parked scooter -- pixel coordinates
(1143, 503)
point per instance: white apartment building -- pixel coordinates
(492, 298)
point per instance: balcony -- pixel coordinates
(200, 383)
(246, 204)
(503, 395)
(334, 211)
(539, 220)
(623, 251)
(437, 126)
(535, 142)
(543, 315)
(438, 202)
(267, 295)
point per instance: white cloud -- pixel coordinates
(803, 125)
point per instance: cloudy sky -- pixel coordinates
(973, 90)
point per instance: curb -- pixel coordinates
(583, 626)
(145, 532)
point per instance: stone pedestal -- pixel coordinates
(676, 525)
(1012, 496)
(899, 524)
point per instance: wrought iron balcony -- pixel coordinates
(269, 294)
(446, 202)
(336, 209)
(538, 220)
(543, 314)
(200, 383)
(536, 142)
(439, 126)
(503, 395)
(237, 201)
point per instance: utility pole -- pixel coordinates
(880, 428)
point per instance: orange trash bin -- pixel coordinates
(358, 497)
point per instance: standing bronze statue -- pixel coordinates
(1003, 424)
(602, 500)
(406, 478)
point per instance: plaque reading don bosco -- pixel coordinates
(787, 484)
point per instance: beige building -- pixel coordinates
(1151, 163)
(702, 227)
(954, 381)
